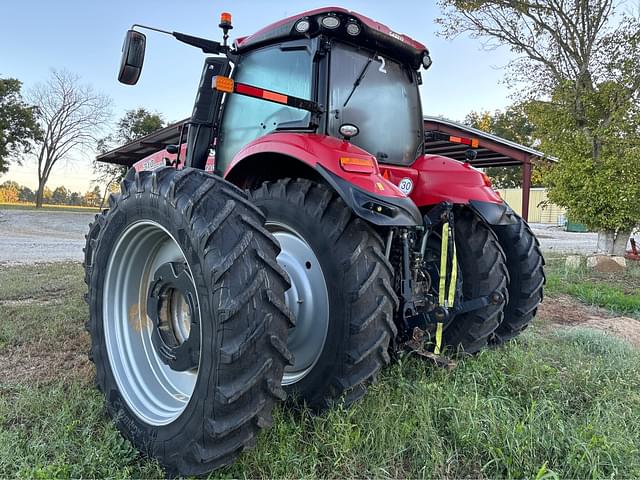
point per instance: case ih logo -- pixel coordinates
(395, 35)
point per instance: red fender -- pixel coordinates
(315, 150)
(436, 179)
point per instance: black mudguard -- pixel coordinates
(377, 210)
(494, 213)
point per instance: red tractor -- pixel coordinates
(293, 241)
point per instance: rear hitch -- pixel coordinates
(441, 315)
(417, 345)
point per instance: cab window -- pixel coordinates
(384, 105)
(286, 71)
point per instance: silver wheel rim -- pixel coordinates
(308, 300)
(152, 390)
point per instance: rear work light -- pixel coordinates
(353, 28)
(330, 22)
(426, 60)
(358, 165)
(302, 26)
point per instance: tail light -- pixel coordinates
(358, 165)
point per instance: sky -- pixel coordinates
(85, 37)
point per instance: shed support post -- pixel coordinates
(526, 187)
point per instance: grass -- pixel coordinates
(619, 292)
(47, 207)
(43, 304)
(565, 404)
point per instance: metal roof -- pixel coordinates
(492, 151)
(131, 152)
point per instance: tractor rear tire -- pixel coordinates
(483, 271)
(341, 295)
(203, 231)
(526, 272)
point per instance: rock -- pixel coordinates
(606, 264)
(574, 262)
(620, 261)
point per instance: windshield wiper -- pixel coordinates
(359, 79)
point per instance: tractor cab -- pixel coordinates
(363, 77)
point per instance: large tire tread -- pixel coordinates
(526, 269)
(484, 270)
(251, 348)
(369, 327)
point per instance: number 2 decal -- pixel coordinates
(382, 64)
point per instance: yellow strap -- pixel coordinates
(443, 282)
(438, 338)
(443, 263)
(454, 275)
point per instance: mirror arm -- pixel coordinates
(207, 46)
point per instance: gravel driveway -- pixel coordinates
(29, 236)
(554, 239)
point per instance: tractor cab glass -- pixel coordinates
(285, 70)
(384, 104)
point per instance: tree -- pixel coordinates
(9, 192)
(75, 199)
(26, 195)
(60, 196)
(71, 115)
(46, 195)
(579, 67)
(512, 124)
(18, 126)
(133, 125)
(93, 197)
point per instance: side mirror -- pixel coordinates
(132, 57)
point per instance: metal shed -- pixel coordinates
(443, 138)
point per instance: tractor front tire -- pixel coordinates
(483, 272)
(526, 272)
(192, 383)
(341, 295)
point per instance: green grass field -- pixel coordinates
(619, 293)
(554, 404)
(46, 207)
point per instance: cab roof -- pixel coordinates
(373, 34)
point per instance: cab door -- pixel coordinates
(285, 68)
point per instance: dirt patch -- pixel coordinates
(45, 297)
(36, 363)
(564, 311)
(20, 302)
